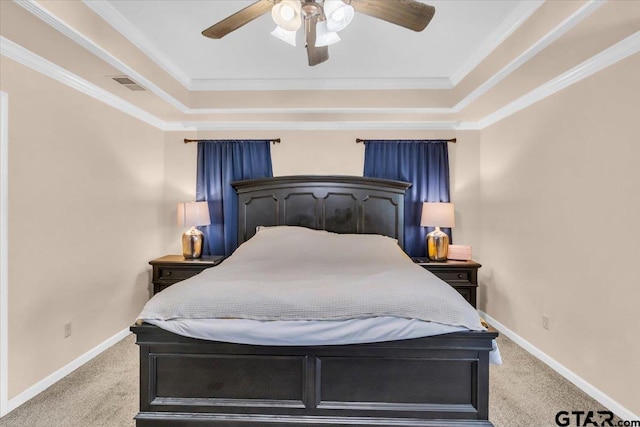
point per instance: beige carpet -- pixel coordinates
(101, 393)
(104, 393)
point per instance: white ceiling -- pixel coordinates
(372, 54)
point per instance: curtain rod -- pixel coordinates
(454, 140)
(186, 141)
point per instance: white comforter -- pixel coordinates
(294, 273)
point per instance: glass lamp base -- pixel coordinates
(437, 245)
(192, 243)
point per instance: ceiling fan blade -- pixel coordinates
(410, 14)
(238, 19)
(316, 55)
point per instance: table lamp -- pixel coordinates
(192, 214)
(437, 215)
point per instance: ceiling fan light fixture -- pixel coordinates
(324, 37)
(285, 36)
(322, 19)
(286, 14)
(338, 13)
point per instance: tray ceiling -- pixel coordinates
(372, 54)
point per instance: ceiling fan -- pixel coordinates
(322, 19)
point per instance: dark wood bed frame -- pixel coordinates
(434, 381)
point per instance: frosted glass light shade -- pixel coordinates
(438, 215)
(287, 14)
(192, 214)
(284, 35)
(324, 37)
(338, 13)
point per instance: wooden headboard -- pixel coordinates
(341, 204)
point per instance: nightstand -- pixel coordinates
(462, 275)
(171, 269)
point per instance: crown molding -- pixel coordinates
(607, 57)
(528, 54)
(596, 63)
(319, 84)
(29, 59)
(315, 125)
(25, 57)
(321, 110)
(110, 14)
(516, 18)
(114, 18)
(66, 29)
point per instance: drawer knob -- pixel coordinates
(168, 273)
(460, 276)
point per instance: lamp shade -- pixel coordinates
(192, 214)
(324, 37)
(338, 13)
(284, 35)
(287, 14)
(437, 215)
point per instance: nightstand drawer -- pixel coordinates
(174, 274)
(172, 269)
(454, 276)
(461, 275)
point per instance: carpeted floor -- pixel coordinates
(104, 393)
(101, 393)
(526, 392)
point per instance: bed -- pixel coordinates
(440, 380)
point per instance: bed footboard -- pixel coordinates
(441, 380)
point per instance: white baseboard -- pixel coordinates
(572, 377)
(47, 382)
(578, 381)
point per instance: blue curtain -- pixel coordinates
(221, 162)
(425, 164)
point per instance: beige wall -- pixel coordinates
(560, 230)
(85, 192)
(323, 153)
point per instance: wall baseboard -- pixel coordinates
(572, 377)
(47, 382)
(575, 379)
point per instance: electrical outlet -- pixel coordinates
(67, 330)
(546, 323)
